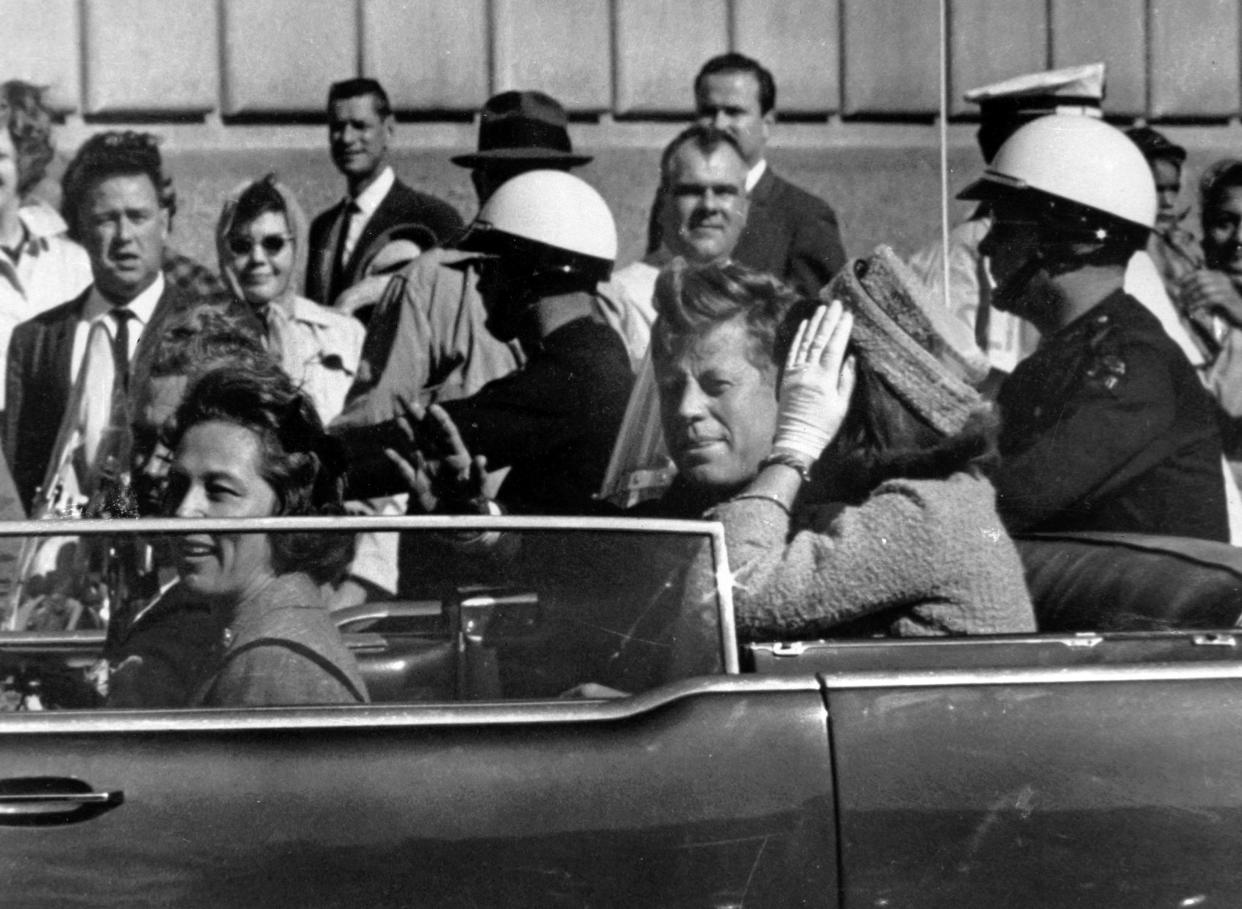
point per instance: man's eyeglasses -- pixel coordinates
(273, 244)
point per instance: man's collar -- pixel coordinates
(754, 175)
(142, 306)
(370, 198)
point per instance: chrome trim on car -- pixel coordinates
(384, 716)
(1131, 672)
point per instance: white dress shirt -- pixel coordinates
(366, 203)
(754, 174)
(97, 309)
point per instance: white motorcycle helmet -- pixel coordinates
(550, 220)
(1083, 179)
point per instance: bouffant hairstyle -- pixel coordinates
(112, 154)
(300, 461)
(692, 299)
(30, 127)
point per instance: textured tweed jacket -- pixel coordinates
(918, 557)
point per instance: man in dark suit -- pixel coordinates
(789, 232)
(117, 211)
(360, 125)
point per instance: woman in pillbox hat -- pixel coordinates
(874, 514)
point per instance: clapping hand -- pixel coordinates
(817, 384)
(438, 469)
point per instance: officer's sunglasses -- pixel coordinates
(272, 244)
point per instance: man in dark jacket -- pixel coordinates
(360, 125)
(118, 207)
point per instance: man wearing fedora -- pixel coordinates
(360, 125)
(427, 340)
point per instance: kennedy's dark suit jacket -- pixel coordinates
(789, 233)
(439, 221)
(37, 386)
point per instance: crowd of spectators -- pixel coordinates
(869, 432)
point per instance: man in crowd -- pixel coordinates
(360, 125)
(789, 232)
(703, 207)
(550, 240)
(1174, 249)
(116, 199)
(1106, 426)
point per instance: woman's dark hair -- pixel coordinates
(1215, 183)
(259, 197)
(300, 461)
(882, 438)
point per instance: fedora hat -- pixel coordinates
(523, 126)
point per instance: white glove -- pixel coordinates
(817, 384)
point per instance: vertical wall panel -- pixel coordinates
(129, 69)
(892, 56)
(429, 54)
(41, 45)
(560, 48)
(1114, 31)
(660, 47)
(799, 40)
(991, 40)
(1194, 59)
(281, 55)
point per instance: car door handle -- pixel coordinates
(32, 801)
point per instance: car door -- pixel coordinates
(696, 787)
(1071, 770)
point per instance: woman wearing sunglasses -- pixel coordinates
(262, 245)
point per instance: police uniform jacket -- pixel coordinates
(1107, 428)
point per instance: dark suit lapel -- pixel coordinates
(58, 345)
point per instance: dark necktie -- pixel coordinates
(120, 346)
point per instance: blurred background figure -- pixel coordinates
(261, 238)
(30, 115)
(1173, 248)
(789, 233)
(360, 125)
(39, 267)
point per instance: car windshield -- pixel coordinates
(440, 610)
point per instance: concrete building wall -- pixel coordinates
(212, 71)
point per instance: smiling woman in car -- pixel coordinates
(248, 444)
